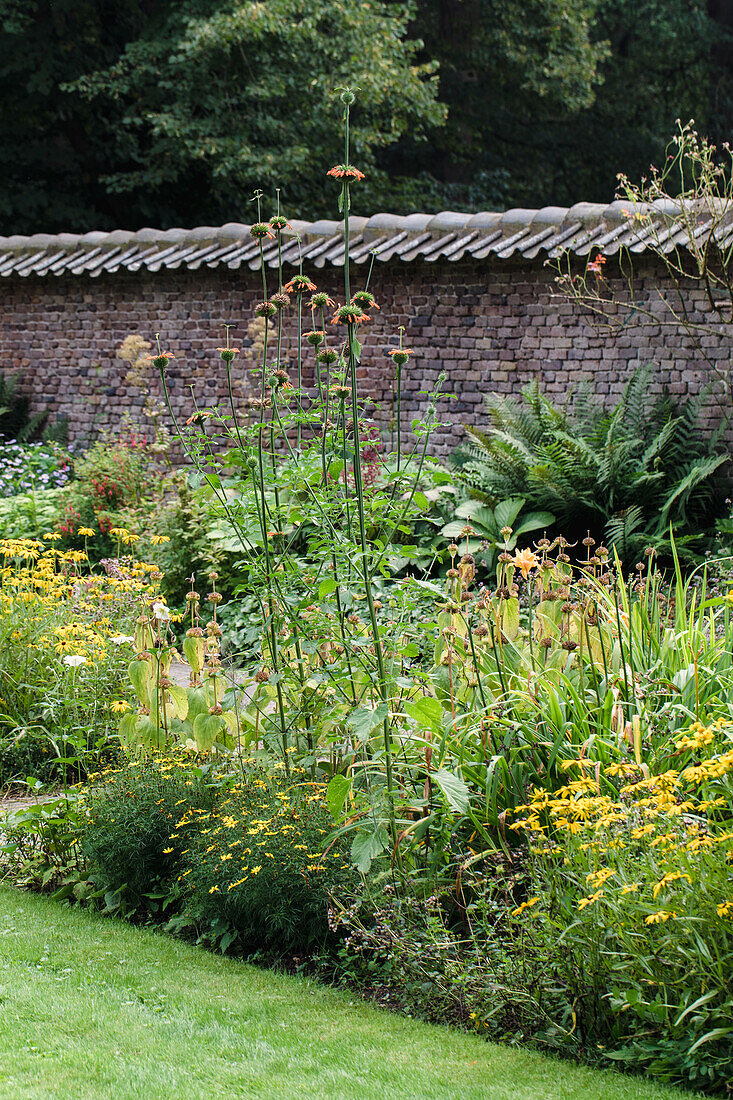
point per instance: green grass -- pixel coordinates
(90, 1007)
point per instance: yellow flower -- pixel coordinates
(661, 917)
(630, 888)
(158, 540)
(667, 879)
(119, 706)
(256, 870)
(167, 851)
(523, 906)
(86, 532)
(214, 890)
(591, 900)
(597, 878)
(725, 909)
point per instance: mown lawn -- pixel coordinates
(90, 1007)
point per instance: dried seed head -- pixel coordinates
(265, 309)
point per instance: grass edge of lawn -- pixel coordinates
(297, 1035)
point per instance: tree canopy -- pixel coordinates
(172, 112)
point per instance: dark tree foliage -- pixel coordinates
(172, 112)
(588, 90)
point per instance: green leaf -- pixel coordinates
(126, 729)
(453, 787)
(337, 793)
(507, 511)
(426, 712)
(206, 729)
(367, 846)
(533, 521)
(139, 673)
(179, 700)
(193, 651)
(364, 720)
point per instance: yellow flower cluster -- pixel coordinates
(641, 836)
(242, 835)
(54, 603)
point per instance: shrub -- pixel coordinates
(261, 867)
(131, 815)
(625, 474)
(113, 479)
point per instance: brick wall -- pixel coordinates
(488, 326)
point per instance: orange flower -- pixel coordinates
(349, 315)
(320, 301)
(400, 355)
(596, 265)
(345, 171)
(160, 355)
(235, 350)
(299, 284)
(525, 560)
(261, 230)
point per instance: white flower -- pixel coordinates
(161, 612)
(120, 639)
(74, 660)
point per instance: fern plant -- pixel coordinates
(627, 474)
(16, 420)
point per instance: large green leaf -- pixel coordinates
(426, 712)
(453, 787)
(367, 846)
(336, 794)
(534, 521)
(193, 651)
(139, 673)
(364, 720)
(507, 511)
(206, 729)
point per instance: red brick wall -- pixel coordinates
(487, 326)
